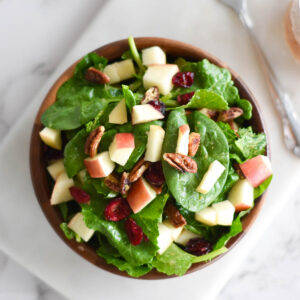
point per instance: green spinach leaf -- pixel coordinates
(129, 97)
(213, 146)
(262, 187)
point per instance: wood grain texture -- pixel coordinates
(40, 182)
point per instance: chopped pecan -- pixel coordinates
(182, 163)
(230, 114)
(96, 76)
(138, 170)
(112, 182)
(194, 142)
(151, 94)
(125, 183)
(93, 141)
(174, 215)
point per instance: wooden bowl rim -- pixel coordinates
(37, 166)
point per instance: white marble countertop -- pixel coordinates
(34, 37)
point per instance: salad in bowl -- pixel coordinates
(151, 159)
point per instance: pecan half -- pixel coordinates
(138, 170)
(194, 142)
(96, 76)
(182, 163)
(125, 183)
(151, 94)
(174, 215)
(93, 141)
(230, 114)
(112, 182)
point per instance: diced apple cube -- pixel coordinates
(61, 192)
(175, 231)
(164, 239)
(119, 114)
(160, 76)
(154, 144)
(207, 216)
(51, 137)
(120, 71)
(121, 148)
(185, 236)
(82, 175)
(257, 169)
(100, 165)
(140, 194)
(78, 226)
(211, 176)
(225, 212)
(241, 195)
(153, 55)
(56, 168)
(183, 139)
(145, 113)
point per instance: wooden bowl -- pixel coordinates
(40, 182)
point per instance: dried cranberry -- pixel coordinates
(134, 232)
(183, 79)
(198, 246)
(185, 98)
(154, 174)
(160, 106)
(117, 209)
(79, 195)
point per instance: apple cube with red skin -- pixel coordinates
(241, 195)
(257, 169)
(183, 139)
(121, 148)
(77, 224)
(145, 113)
(100, 165)
(61, 192)
(140, 194)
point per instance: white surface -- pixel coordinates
(46, 255)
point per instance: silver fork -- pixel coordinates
(289, 117)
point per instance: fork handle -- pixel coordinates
(289, 117)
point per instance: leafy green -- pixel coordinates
(246, 106)
(112, 256)
(129, 97)
(262, 187)
(69, 233)
(213, 146)
(101, 188)
(115, 233)
(149, 217)
(173, 261)
(63, 207)
(235, 229)
(250, 144)
(211, 77)
(207, 99)
(247, 145)
(135, 54)
(176, 261)
(74, 153)
(89, 60)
